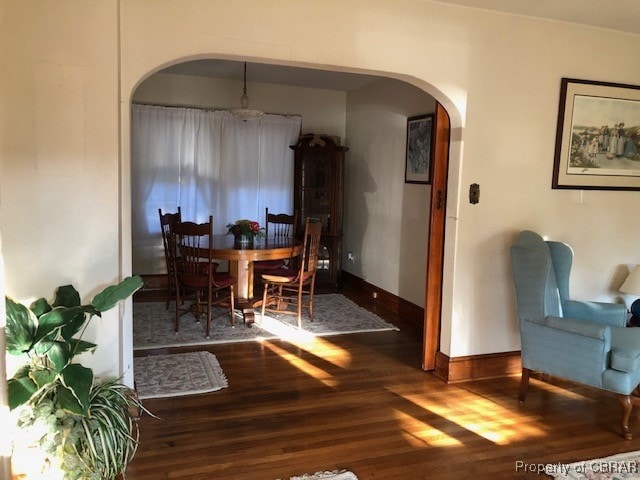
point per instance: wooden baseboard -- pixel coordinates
(474, 367)
(155, 282)
(406, 309)
(154, 288)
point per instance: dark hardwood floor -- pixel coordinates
(361, 402)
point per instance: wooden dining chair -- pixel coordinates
(286, 287)
(166, 222)
(196, 275)
(280, 225)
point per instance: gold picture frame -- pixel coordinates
(597, 136)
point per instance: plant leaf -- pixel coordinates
(113, 294)
(20, 391)
(66, 296)
(68, 401)
(53, 320)
(80, 346)
(113, 435)
(91, 310)
(21, 327)
(78, 380)
(23, 371)
(40, 307)
(74, 325)
(57, 352)
(42, 377)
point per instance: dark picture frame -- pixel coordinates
(419, 150)
(597, 136)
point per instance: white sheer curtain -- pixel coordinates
(208, 163)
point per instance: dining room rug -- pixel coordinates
(178, 374)
(616, 467)
(334, 314)
(328, 475)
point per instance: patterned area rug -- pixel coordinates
(615, 467)
(334, 475)
(153, 325)
(178, 374)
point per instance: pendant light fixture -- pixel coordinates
(244, 111)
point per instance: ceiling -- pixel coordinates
(275, 74)
(621, 15)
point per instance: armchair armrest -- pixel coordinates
(612, 314)
(580, 327)
(567, 347)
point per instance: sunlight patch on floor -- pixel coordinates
(306, 367)
(286, 332)
(421, 434)
(480, 416)
(307, 341)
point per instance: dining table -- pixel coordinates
(241, 257)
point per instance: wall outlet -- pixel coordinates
(374, 294)
(350, 257)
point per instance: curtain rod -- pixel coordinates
(206, 109)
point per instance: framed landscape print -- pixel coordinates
(419, 153)
(598, 135)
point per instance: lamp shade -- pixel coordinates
(632, 284)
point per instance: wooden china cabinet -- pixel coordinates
(318, 193)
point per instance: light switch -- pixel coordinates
(474, 193)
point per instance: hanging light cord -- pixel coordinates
(244, 110)
(245, 79)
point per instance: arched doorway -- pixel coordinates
(436, 241)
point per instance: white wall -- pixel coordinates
(59, 152)
(322, 111)
(5, 440)
(497, 75)
(386, 220)
(512, 91)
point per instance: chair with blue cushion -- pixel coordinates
(585, 342)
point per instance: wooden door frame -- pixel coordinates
(435, 249)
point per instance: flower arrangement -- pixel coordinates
(248, 228)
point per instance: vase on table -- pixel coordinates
(242, 239)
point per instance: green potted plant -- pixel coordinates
(76, 425)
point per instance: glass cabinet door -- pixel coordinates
(316, 188)
(318, 193)
(323, 272)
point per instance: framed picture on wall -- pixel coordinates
(597, 137)
(419, 154)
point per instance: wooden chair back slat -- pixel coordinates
(280, 224)
(311, 249)
(192, 239)
(167, 221)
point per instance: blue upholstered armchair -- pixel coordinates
(586, 342)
